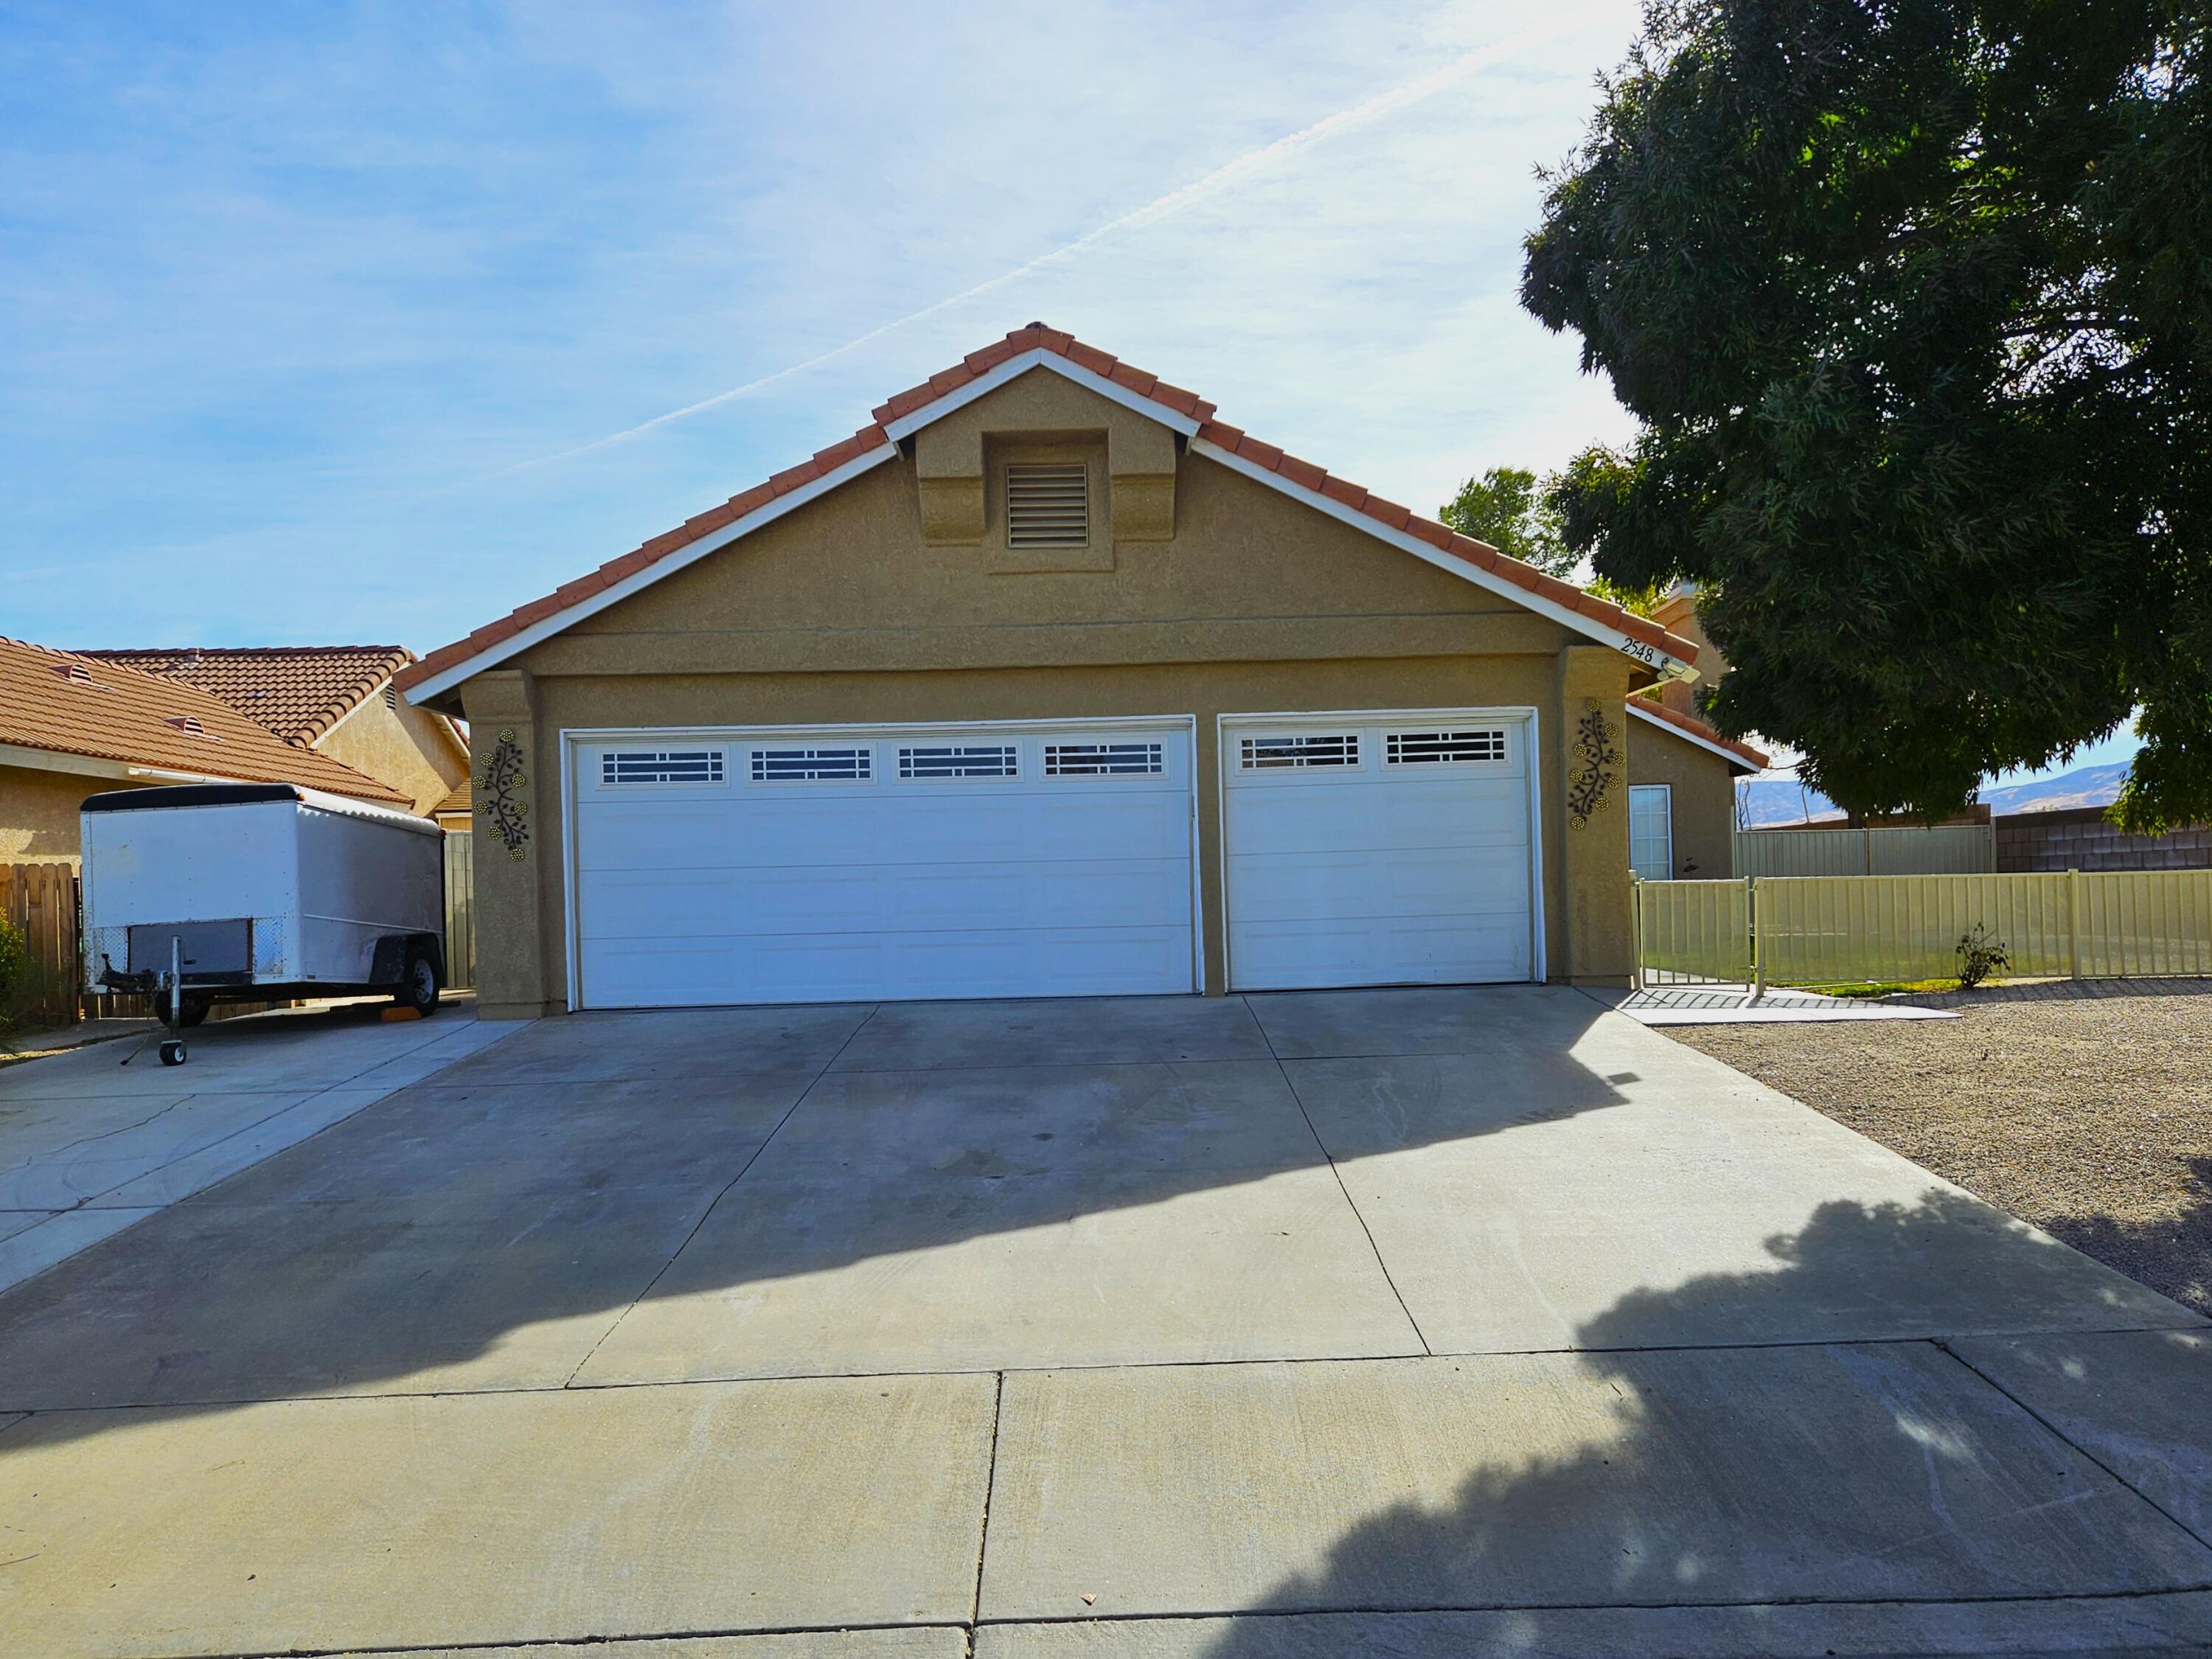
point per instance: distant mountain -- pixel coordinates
(2086, 786)
(1770, 802)
(1767, 802)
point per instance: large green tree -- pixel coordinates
(1508, 508)
(1913, 300)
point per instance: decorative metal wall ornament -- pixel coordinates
(1589, 790)
(504, 795)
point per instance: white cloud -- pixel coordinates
(287, 306)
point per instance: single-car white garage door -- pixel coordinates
(1368, 849)
(728, 866)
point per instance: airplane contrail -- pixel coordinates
(1174, 202)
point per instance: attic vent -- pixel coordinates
(1049, 506)
(661, 766)
(1443, 748)
(392, 698)
(1102, 760)
(75, 673)
(810, 765)
(1265, 754)
(190, 726)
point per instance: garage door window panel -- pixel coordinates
(812, 765)
(989, 761)
(649, 766)
(1330, 751)
(1104, 760)
(1485, 747)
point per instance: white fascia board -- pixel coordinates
(1013, 368)
(668, 564)
(95, 766)
(1661, 663)
(1675, 730)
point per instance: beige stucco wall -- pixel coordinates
(1705, 799)
(403, 749)
(842, 613)
(37, 813)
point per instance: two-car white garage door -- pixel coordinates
(1025, 860)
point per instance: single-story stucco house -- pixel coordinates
(1048, 682)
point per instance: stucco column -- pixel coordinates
(511, 843)
(1593, 685)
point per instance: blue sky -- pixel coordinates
(312, 318)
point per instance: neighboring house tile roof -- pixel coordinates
(1653, 710)
(297, 691)
(67, 704)
(459, 801)
(876, 437)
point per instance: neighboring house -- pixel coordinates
(453, 812)
(1678, 614)
(1681, 793)
(336, 699)
(1048, 682)
(71, 725)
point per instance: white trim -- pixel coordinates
(571, 940)
(1539, 961)
(1664, 665)
(667, 564)
(1037, 357)
(1704, 742)
(570, 737)
(1667, 790)
(1667, 667)
(1533, 761)
(97, 765)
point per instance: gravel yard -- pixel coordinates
(2086, 1109)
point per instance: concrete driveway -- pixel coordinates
(1411, 1322)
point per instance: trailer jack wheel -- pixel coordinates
(172, 1052)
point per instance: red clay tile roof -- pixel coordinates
(298, 691)
(1037, 338)
(1697, 728)
(70, 704)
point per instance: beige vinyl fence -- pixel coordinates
(1948, 849)
(1843, 929)
(460, 909)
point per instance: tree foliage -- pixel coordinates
(1913, 300)
(1509, 508)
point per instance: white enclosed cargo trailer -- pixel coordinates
(260, 891)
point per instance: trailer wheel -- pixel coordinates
(197, 1004)
(418, 985)
(172, 1052)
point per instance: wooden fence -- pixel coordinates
(460, 909)
(1820, 930)
(39, 901)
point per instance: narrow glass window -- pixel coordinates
(810, 766)
(993, 761)
(1442, 748)
(661, 766)
(1102, 760)
(1265, 754)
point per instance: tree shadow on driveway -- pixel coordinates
(1628, 1501)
